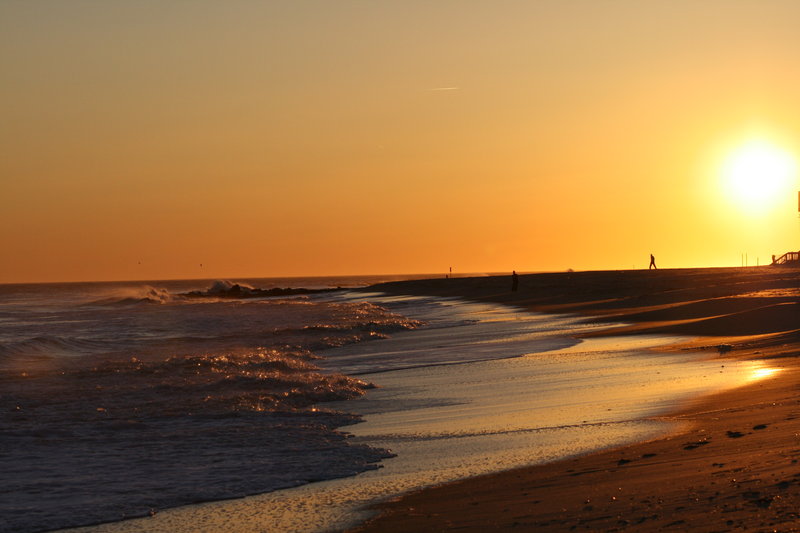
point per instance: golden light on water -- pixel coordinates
(757, 175)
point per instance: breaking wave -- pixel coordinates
(229, 289)
(167, 405)
(220, 289)
(136, 295)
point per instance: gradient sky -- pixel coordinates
(141, 139)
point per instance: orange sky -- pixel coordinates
(141, 139)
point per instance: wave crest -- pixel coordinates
(49, 346)
(137, 295)
(229, 289)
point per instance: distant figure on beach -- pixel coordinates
(652, 262)
(514, 281)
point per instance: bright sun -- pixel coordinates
(758, 175)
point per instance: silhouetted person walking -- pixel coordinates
(514, 281)
(652, 263)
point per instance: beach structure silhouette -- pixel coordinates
(787, 259)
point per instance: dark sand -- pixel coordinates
(733, 465)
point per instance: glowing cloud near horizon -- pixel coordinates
(758, 174)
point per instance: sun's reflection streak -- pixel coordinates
(762, 372)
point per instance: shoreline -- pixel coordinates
(732, 464)
(486, 445)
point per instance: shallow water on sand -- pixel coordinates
(491, 388)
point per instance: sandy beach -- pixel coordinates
(733, 464)
(257, 266)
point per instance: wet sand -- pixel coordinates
(733, 464)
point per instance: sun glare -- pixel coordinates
(758, 174)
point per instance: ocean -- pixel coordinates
(121, 400)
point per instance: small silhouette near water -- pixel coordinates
(514, 281)
(652, 262)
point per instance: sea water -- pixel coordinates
(122, 400)
(117, 399)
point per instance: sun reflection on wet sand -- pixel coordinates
(762, 372)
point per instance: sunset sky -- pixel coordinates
(141, 139)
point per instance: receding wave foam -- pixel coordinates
(371, 322)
